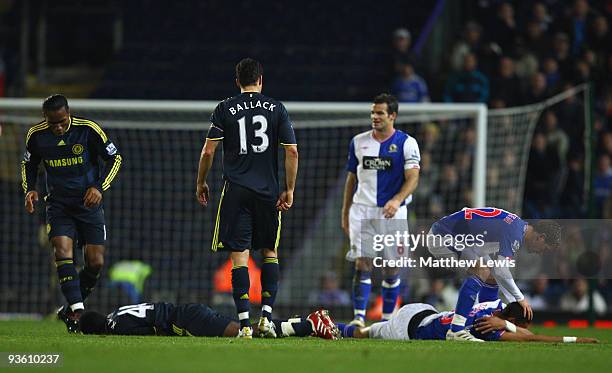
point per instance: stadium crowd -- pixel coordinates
(512, 54)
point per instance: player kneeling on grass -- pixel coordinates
(487, 321)
(195, 320)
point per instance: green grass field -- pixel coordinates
(137, 354)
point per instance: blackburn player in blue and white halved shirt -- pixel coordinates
(383, 172)
(502, 234)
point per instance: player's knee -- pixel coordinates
(267, 253)
(62, 251)
(95, 262)
(363, 264)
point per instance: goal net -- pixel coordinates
(469, 158)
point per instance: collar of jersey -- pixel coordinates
(385, 140)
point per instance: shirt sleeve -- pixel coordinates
(412, 155)
(352, 162)
(106, 149)
(215, 132)
(504, 279)
(286, 135)
(29, 167)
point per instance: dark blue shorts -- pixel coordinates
(245, 221)
(198, 320)
(69, 217)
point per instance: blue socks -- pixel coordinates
(390, 291)
(269, 285)
(488, 293)
(362, 285)
(69, 282)
(346, 330)
(240, 291)
(467, 296)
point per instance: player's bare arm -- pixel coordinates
(349, 189)
(520, 337)
(206, 159)
(285, 200)
(92, 198)
(411, 181)
(30, 199)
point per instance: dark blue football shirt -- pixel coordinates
(252, 126)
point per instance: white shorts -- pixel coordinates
(365, 222)
(396, 328)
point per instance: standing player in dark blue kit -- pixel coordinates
(70, 149)
(251, 127)
(498, 235)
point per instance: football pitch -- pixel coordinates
(134, 354)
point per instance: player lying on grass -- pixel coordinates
(488, 321)
(195, 320)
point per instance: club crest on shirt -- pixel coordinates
(77, 149)
(392, 148)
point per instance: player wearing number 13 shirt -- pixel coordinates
(251, 127)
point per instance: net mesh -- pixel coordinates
(152, 214)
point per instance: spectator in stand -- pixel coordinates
(582, 72)
(471, 43)
(574, 189)
(576, 24)
(561, 53)
(571, 120)
(442, 295)
(535, 40)
(602, 184)
(402, 54)
(556, 139)
(550, 69)
(598, 37)
(539, 15)
(506, 85)
(537, 296)
(329, 293)
(537, 91)
(541, 184)
(410, 87)
(578, 299)
(502, 29)
(470, 85)
(449, 188)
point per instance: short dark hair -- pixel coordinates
(551, 231)
(515, 311)
(248, 71)
(54, 103)
(92, 322)
(390, 100)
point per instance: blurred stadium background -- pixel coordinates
(543, 69)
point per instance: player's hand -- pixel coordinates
(285, 201)
(203, 194)
(391, 208)
(92, 198)
(527, 311)
(30, 198)
(489, 324)
(345, 224)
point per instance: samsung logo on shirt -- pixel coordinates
(376, 163)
